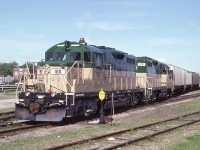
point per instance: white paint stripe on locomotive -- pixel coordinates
(75, 45)
(60, 45)
(80, 94)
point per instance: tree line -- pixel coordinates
(6, 69)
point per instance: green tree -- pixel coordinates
(30, 65)
(7, 68)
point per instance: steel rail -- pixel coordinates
(150, 136)
(22, 128)
(115, 133)
(6, 113)
(7, 117)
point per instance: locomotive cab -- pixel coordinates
(69, 68)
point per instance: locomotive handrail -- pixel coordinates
(149, 86)
(29, 76)
(137, 81)
(71, 67)
(63, 83)
(78, 64)
(70, 70)
(17, 100)
(109, 74)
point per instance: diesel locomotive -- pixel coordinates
(68, 81)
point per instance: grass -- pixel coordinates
(50, 140)
(192, 143)
(10, 93)
(184, 107)
(7, 95)
(7, 110)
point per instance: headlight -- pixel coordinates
(53, 94)
(61, 101)
(27, 93)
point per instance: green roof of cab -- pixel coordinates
(144, 65)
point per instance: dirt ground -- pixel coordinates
(7, 103)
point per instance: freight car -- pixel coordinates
(183, 80)
(68, 81)
(195, 81)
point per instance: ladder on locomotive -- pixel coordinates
(148, 88)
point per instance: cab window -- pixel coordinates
(87, 56)
(59, 56)
(75, 56)
(49, 56)
(97, 60)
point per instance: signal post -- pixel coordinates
(102, 96)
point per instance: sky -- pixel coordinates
(166, 30)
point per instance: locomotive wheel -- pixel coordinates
(153, 98)
(134, 100)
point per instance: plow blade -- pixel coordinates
(55, 114)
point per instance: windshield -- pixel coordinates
(75, 55)
(59, 56)
(49, 56)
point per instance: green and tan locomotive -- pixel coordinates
(68, 81)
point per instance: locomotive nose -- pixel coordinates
(55, 114)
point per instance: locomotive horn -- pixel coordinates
(67, 45)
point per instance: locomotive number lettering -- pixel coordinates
(57, 71)
(141, 64)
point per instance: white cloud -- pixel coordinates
(86, 16)
(140, 14)
(120, 3)
(161, 60)
(106, 25)
(128, 15)
(163, 41)
(173, 41)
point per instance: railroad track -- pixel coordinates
(7, 115)
(173, 99)
(18, 127)
(129, 136)
(186, 96)
(21, 127)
